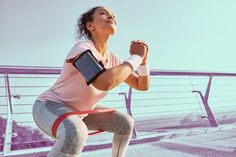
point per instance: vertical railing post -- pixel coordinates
(128, 108)
(8, 131)
(204, 99)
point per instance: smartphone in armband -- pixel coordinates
(88, 66)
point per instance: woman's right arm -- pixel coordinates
(113, 77)
(118, 74)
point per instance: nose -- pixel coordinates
(111, 17)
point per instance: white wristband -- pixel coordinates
(134, 61)
(144, 70)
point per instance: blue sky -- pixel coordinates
(182, 34)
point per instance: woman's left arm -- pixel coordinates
(138, 82)
(142, 81)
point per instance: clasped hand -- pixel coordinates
(140, 48)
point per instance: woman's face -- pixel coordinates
(103, 21)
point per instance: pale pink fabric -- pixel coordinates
(71, 88)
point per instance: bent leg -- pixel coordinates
(71, 134)
(121, 124)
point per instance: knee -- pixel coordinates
(73, 137)
(127, 124)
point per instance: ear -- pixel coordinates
(90, 26)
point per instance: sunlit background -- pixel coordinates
(182, 34)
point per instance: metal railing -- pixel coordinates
(176, 100)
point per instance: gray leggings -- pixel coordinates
(72, 133)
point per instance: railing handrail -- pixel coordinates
(56, 70)
(29, 70)
(189, 73)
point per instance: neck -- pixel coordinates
(101, 44)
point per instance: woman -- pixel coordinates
(56, 110)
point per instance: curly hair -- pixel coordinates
(81, 30)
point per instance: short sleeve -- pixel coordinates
(77, 49)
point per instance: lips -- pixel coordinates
(111, 21)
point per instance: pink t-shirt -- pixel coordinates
(71, 88)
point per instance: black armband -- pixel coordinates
(88, 66)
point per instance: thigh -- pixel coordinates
(116, 121)
(46, 112)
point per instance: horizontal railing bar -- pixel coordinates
(114, 93)
(153, 85)
(219, 104)
(227, 112)
(37, 94)
(169, 104)
(27, 142)
(223, 95)
(29, 70)
(14, 104)
(56, 70)
(170, 78)
(27, 86)
(25, 95)
(112, 100)
(35, 77)
(148, 99)
(168, 128)
(138, 113)
(212, 101)
(25, 122)
(159, 105)
(170, 91)
(118, 107)
(213, 96)
(155, 78)
(189, 109)
(147, 106)
(192, 109)
(220, 97)
(32, 104)
(187, 91)
(223, 90)
(190, 73)
(174, 85)
(170, 111)
(225, 106)
(151, 120)
(187, 78)
(165, 104)
(17, 113)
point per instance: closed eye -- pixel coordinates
(102, 13)
(106, 13)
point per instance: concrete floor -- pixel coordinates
(213, 144)
(219, 142)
